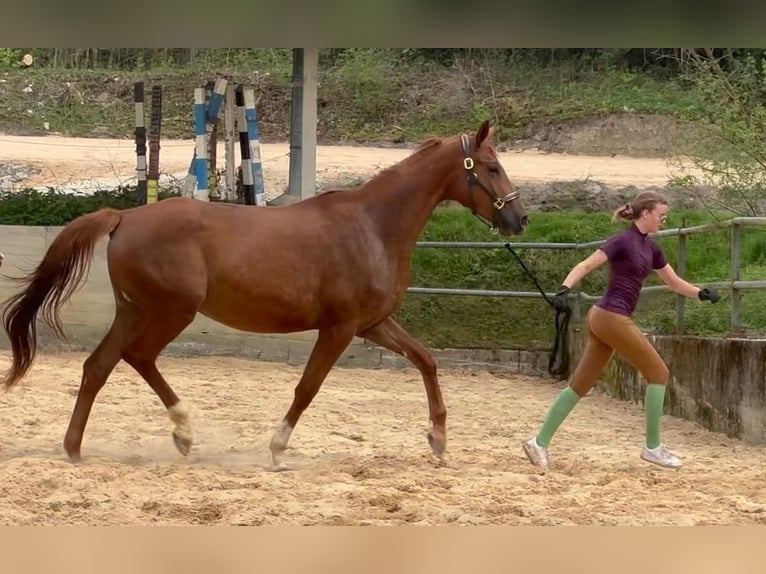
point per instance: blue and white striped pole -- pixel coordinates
(216, 99)
(254, 136)
(200, 125)
(190, 182)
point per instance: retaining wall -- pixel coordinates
(88, 315)
(720, 383)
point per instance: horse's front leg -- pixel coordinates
(389, 334)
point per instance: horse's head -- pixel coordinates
(484, 186)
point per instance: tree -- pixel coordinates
(727, 143)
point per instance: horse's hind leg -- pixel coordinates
(329, 346)
(96, 370)
(142, 355)
(389, 334)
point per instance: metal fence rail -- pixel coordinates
(734, 283)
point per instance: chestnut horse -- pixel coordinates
(338, 262)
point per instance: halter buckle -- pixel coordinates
(468, 163)
(499, 203)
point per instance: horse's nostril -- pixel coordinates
(525, 221)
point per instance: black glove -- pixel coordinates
(560, 298)
(709, 295)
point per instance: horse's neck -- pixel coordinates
(402, 202)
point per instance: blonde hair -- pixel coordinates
(644, 200)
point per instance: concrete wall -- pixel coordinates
(719, 383)
(88, 316)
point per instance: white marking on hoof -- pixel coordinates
(279, 444)
(182, 433)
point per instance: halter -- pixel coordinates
(497, 202)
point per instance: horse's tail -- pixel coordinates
(50, 286)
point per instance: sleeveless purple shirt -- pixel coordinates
(632, 256)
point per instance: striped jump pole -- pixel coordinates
(152, 190)
(190, 182)
(140, 138)
(251, 115)
(212, 145)
(200, 130)
(244, 148)
(229, 153)
(216, 99)
(214, 95)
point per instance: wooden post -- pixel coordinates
(736, 295)
(152, 190)
(681, 299)
(212, 144)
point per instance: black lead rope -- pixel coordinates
(558, 363)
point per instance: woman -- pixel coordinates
(632, 255)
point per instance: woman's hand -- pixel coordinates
(709, 295)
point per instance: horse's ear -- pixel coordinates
(484, 131)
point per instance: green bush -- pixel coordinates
(52, 207)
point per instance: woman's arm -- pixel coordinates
(579, 271)
(676, 283)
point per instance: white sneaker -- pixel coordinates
(660, 456)
(537, 455)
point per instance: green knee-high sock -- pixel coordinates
(653, 402)
(559, 410)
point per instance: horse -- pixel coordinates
(338, 262)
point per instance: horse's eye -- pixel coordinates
(494, 169)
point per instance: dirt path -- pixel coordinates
(73, 162)
(359, 455)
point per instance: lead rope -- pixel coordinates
(558, 362)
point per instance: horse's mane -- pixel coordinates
(424, 147)
(429, 142)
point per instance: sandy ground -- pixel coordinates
(73, 162)
(358, 455)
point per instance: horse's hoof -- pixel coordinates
(182, 444)
(279, 467)
(438, 444)
(73, 452)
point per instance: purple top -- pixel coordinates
(632, 256)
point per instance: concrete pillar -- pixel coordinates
(303, 123)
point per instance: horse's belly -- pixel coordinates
(282, 310)
(260, 318)
(289, 307)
